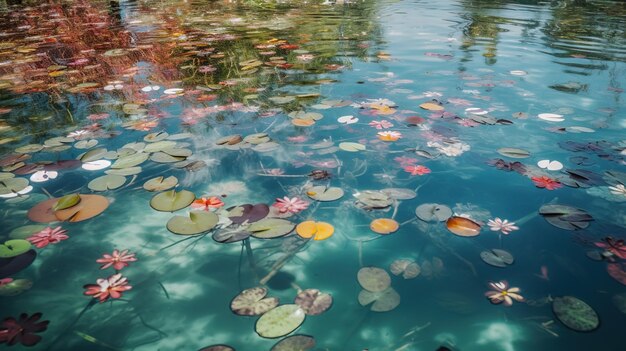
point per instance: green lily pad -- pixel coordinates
(160, 183)
(373, 279)
(565, 217)
(351, 147)
(322, 193)
(384, 301)
(269, 228)
(124, 171)
(295, 343)
(159, 146)
(130, 160)
(311, 116)
(197, 222)
(257, 138)
(29, 149)
(252, 302)
(6, 175)
(575, 314)
(66, 201)
(14, 247)
(433, 212)
(399, 193)
(86, 144)
(154, 137)
(219, 347)
(15, 287)
(282, 100)
(107, 182)
(12, 185)
(280, 321)
(266, 147)
(371, 199)
(172, 200)
(229, 140)
(178, 152)
(26, 231)
(162, 157)
(93, 155)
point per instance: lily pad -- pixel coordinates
(371, 199)
(407, 268)
(160, 183)
(197, 222)
(497, 258)
(220, 347)
(159, 146)
(130, 160)
(86, 144)
(373, 279)
(124, 171)
(513, 152)
(384, 226)
(89, 206)
(26, 231)
(248, 213)
(14, 265)
(12, 185)
(280, 321)
(295, 343)
(29, 149)
(269, 228)
(231, 235)
(170, 201)
(351, 147)
(14, 247)
(565, 217)
(462, 226)
(575, 314)
(162, 157)
(66, 201)
(384, 301)
(433, 212)
(229, 140)
(322, 193)
(316, 230)
(257, 138)
(313, 301)
(154, 137)
(107, 182)
(399, 193)
(15, 287)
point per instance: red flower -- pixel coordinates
(614, 246)
(22, 330)
(417, 169)
(207, 203)
(116, 259)
(545, 182)
(112, 287)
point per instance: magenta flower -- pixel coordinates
(616, 247)
(504, 226)
(112, 287)
(502, 293)
(384, 124)
(546, 182)
(48, 236)
(116, 259)
(5, 281)
(405, 161)
(293, 205)
(417, 169)
(22, 330)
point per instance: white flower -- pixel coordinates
(504, 226)
(618, 190)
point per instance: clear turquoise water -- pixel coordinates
(461, 53)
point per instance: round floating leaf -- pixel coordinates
(13, 265)
(130, 160)
(219, 347)
(12, 185)
(565, 217)
(399, 193)
(154, 137)
(280, 321)
(313, 301)
(160, 183)
(66, 201)
(15, 287)
(433, 212)
(247, 212)
(14, 247)
(322, 193)
(89, 206)
(316, 230)
(575, 314)
(170, 201)
(431, 106)
(197, 222)
(269, 228)
(504, 255)
(178, 152)
(229, 140)
(26, 231)
(295, 343)
(124, 171)
(231, 235)
(513, 152)
(86, 144)
(373, 199)
(160, 146)
(257, 138)
(373, 279)
(252, 302)
(29, 149)
(351, 147)
(107, 182)
(384, 301)
(492, 259)
(384, 226)
(462, 226)
(407, 268)
(162, 157)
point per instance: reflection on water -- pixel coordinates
(421, 164)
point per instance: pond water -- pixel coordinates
(376, 151)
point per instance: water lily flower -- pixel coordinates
(116, 259)
(384, 124)
(207, 203)
(405, 161)
(79, 134)
(417, 169)
(22, 330)
(48, 236)
(619, 189)
(615, 246)
(293, 205)
(502, 225)
(389, 136)
(112, 287)
(546, 182)
(5, 281)
(502, 293)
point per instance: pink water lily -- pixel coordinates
(293, 205)
(48, 236)
(112, 287)
(502, 225)
(503, 293)
(384, 124)
(116, 259)
(417, 169)
(5, 281)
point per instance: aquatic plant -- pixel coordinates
(48, 236)
(503, 293)
(109, 288)
(546, 182)
(117, 259)
(292, 205)
(502, 225)
(22, 330)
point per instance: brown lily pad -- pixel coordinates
(88, 207)
(252, 302)
(313, 301)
